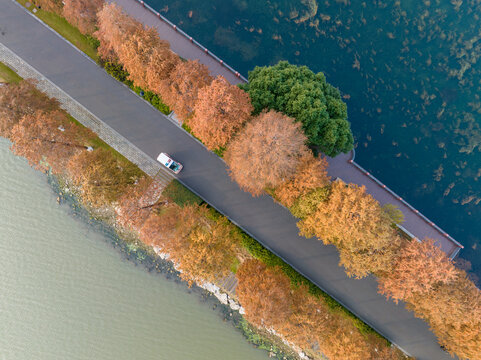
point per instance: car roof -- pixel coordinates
(163, 158)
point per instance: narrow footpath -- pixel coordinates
(152, 132)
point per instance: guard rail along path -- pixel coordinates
(343, 166)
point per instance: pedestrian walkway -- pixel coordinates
(229, 284)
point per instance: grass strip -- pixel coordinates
(97, 142)
(179, 194)
(7, 75)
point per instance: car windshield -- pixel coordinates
(173, 166)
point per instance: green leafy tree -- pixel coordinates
(300, 93)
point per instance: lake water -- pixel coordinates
(408, 70)
(66, 293)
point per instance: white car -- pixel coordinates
(169, 163)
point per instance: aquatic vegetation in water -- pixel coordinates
(470, 132)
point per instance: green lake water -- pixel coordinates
(409, 71)
(67, 293)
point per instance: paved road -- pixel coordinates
(204, 172)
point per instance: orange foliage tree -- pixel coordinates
(306, 205)
(265, 293)
(50, 5)
(132, 211)
(160, 229)
(322, 332)
(354, 221)
(17, 100)
(453, 311)
(180, 90)
(419, 267)
(308, 323)
(82, 14)
(211, 251)
(220, 111)
(266, 153)
(310, 175)
(270, 301)
(148, 60)
(161, 63)
(136, 51)
(101, 177)
(114, 26)
(203, 246)
(48, 139)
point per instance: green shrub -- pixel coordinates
(156, 102)
(214, 215)
(253, 336)
(179, 194)
(93, 41)
(137, 89)
(220, 151)
(117, 71)
(189, 130)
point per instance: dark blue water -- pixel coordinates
(408, 71)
